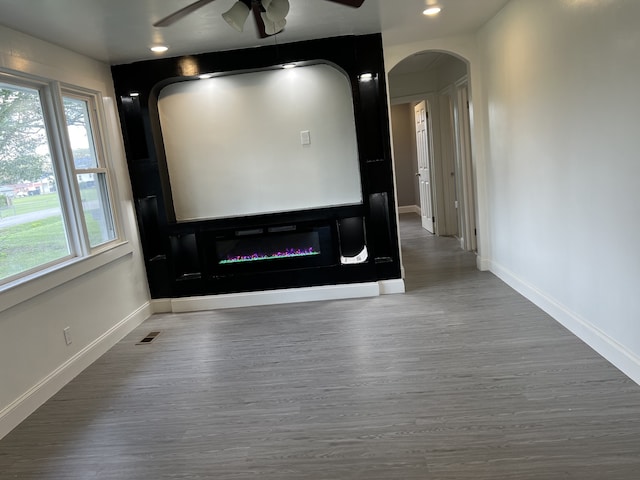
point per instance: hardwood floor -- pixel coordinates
(459, 378)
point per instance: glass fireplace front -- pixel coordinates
(267, 247)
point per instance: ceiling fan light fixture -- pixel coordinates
(271, 27)
(236, 16)
(276, 10)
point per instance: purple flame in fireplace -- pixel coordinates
(286, 253)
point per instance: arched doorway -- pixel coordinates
(430, 101)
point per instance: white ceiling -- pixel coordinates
(121, 31)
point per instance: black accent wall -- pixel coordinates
(179, 255)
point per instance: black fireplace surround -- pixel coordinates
(326, 246)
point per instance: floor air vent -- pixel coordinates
(149, 338)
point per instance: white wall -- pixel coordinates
(561, 86)
(100, 306)
(233, 143)
(404, 155)
(412, 84)
(554, 111)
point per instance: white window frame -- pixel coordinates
(93, 99)
(82, 258)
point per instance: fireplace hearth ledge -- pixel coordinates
(275, 297)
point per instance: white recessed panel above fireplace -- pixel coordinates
(233, 143)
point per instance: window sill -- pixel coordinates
(28, 287)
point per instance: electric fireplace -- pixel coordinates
(276, 247)
(265, 248)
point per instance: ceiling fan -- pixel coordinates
(270, 15)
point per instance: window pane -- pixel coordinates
(79, 126)
(97, 209)
(32, 230)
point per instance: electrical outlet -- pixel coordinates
(305, 137)
(67, 335)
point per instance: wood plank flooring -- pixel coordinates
(459, 378)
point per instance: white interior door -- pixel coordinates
(424, 164)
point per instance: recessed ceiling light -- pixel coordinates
(159, 48)
(289, 65)
(432, 11)
(204, 76)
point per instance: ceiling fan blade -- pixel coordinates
(256, 8)
(183, 12)
(349, 3)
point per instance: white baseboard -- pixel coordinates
(275, 297)
(390, 287)
(162, 305)
(615, 353)
(18, 410)
(409, 209)
(483, 264)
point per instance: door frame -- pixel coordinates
(464, 165)
(444, 168)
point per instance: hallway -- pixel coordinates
(458, 378)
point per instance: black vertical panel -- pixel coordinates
(184, 256)
(378, 168)
(370, 146)
(380, 233)
(152, 122)
(153, 240)
(373, 114)
(154, 246)
(133, 130)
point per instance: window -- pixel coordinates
(55, 195)
(90, 173)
